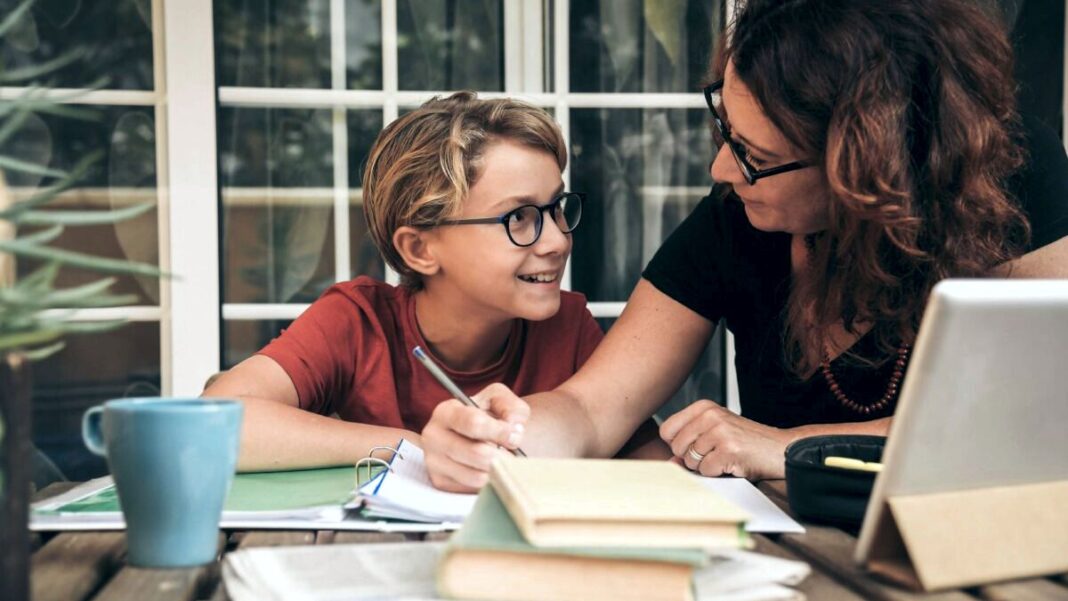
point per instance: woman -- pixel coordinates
(868, 150)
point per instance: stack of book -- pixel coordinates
(587, 530)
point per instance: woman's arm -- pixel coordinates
(644, 358)
(733, 445)
(276, 434)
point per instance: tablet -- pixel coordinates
(985, 400)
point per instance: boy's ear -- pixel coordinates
(412, 245)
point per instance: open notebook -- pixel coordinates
(404, 492)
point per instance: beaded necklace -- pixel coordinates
(891, 387)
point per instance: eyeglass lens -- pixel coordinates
(525, 223)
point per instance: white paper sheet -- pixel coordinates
(764, 516)
(405, 492)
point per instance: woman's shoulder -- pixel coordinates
(1041, 185)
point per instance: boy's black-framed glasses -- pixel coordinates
(749, 172)
(524, 224)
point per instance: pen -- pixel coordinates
(449, 385)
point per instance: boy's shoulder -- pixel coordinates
(572, 312)
(367, 287)
(572, 301)
(370, 294)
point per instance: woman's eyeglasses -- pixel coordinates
(524, 224)
(749, 172)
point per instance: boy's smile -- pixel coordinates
(540, 278)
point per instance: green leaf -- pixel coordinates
(88, 295)
(44, 275)
(37, 100)
(44, 352)
(46, 195)
(7, 162)
(33, 71)
(13, 124)
(91, 327)
(97, 287)
(82, 217)
(41, 237)
(33, 338)
(14, 16)
(76, 259)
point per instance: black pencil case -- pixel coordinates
(826, 494)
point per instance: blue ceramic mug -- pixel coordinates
(173, 460)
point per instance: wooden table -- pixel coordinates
(75, 566)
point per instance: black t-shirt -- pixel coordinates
(721, 267)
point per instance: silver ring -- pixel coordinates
(694, 454)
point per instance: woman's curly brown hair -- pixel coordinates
(910, 107)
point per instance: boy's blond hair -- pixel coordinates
(422, 165)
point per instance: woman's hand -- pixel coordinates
(461, 442)
(730, 444)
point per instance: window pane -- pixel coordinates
(450, 44)
(113, 41)
(277, 179)
(125, 175)
(363, 45)
(363, 256)
(707, 380)
(74, 379)
(241, 339)
(640, 46)
(645, 170)
(277, 44)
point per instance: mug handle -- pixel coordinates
(94, 440)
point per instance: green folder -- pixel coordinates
(255, 491)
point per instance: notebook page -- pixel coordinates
(406, 491)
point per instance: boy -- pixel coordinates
(464, 198)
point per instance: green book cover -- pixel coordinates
(489, 527)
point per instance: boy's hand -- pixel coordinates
(460, 442)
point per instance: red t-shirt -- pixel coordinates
(350, 353)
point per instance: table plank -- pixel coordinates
(135, 584)
(433, 537)
(347, 537)
(832, 550)
(818, 586)
(73, 565)
(1025, 590)
(172, 584)
(276, 538)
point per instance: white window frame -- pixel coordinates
(190, 314)
(524, 67)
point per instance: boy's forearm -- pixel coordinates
(275, 436)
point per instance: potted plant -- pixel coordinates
(34, 311)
